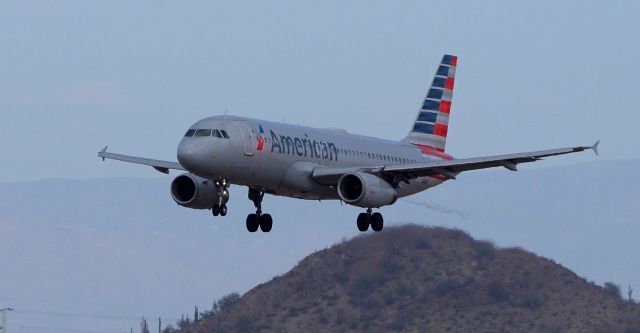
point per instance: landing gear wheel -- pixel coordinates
(377, 222)
(223, 210)
(258, 220)
(266, 222)
(215, 210)
(363, 221)
(252, 222)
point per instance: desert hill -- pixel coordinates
(418, 279)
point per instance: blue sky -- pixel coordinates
(77, 75)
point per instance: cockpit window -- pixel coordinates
(207, 132)
(203, 132)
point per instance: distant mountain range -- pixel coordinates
(122, 247)
(418, 279)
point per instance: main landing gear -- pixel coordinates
(220, 207)
(375, 220)
(258, 220)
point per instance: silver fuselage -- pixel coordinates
(279, 158)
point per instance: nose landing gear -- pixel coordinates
(258, 220)
(367, 219)
(220, 207)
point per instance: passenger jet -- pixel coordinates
(322, 164)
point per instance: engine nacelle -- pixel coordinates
(366, 190)
(189, 190)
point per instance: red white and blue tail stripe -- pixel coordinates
(429, 132)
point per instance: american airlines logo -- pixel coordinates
(305, 147)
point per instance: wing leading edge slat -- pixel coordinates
(447, 168)
(161, 166)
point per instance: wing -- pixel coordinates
(447, 168)
(162, 166)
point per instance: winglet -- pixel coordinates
(595, 147)
(101, 152)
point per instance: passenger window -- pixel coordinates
(216, 133)
(224, 134)
(190, 132)
(203, 132)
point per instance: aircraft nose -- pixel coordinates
(188, 154)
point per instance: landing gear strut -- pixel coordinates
(365, 219)
(220, 207)
(258, 220)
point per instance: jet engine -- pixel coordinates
(189, 190)
(366, 190)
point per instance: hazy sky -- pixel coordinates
(77, 75)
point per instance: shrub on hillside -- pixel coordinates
(398, 324)
(531, 300)
(362, 287)
(484, 249)
(244, 324)
(423, 244)
(403, 290)
(445, 287)
(226, 301)
(390, 266)
(169, 329)
(498, 292)
(341, 277)
(613, 290)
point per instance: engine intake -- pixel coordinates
(189, 190)
(366, 190)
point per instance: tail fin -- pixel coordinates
(432, 122)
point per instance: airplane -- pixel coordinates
(323, 164)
